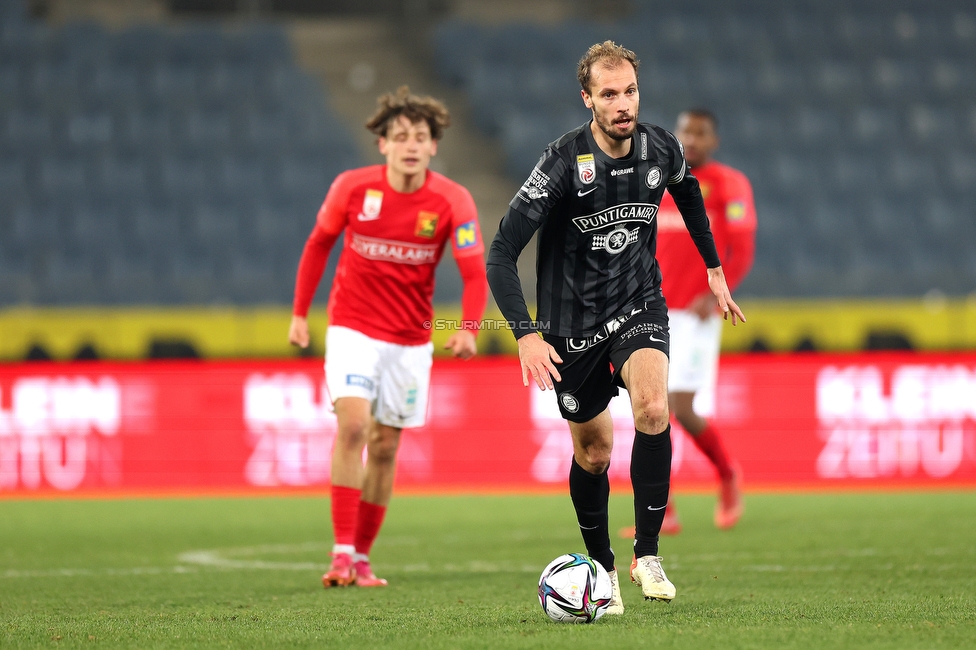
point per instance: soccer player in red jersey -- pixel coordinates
(696, 327)
(397, 219)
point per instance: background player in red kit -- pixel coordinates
(397, 219)
(696, 327)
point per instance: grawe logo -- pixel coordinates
(918, 420)
(50, 429)
(292, 429)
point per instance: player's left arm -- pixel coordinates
(687, 196)
(468, 248)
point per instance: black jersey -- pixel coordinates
(598, 234)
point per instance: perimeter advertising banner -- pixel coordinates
(796, 421)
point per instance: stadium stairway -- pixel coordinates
(360, 59)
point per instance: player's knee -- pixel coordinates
(383, 445)
(353, 432)
(596, 458)
(651, 414)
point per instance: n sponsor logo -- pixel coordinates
(735, 211)
(466, 235)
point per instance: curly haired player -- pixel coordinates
(397, 219)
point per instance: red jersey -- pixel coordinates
(384, 283)
(732, 217)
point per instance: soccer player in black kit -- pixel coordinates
(593, 197)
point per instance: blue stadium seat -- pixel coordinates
(116, 85)
(140, 45)
(155, 226)
(214, 225)
(875, 124)
(90, 128)
(960, 172)
(27, 130)
(64, 176)
(205, 130)
(69, 279)
(146, 130)
(254, 281)
(186, 176)
(137, 279)
(13, 175)
(240, 177)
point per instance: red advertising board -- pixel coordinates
(796, 421)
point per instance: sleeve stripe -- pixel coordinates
(680, 176)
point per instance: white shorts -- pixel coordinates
(693, 364)
(394, 378)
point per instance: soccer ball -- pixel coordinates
(574, 589)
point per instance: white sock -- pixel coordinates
(360, 557)
(346, 549)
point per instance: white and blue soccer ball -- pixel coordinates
(574, 588)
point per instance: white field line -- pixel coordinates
(244, 558)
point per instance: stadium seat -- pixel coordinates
(13, 174)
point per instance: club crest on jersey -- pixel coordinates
(372, 203)
(586, 168)
(653, 178)
(614, 242)
(426, 224)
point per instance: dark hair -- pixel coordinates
(391, 106)
(608, 54)
(703, 113)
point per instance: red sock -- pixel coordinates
(345, 511)
(711, 445)
(370, 520)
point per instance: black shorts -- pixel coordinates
(591, 366)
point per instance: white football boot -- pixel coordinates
(648, 573)
(616, 602)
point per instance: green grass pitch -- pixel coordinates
(866, 570)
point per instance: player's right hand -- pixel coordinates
(298, 332)
(537, 357)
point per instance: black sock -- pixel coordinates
(650, 474)
(590, 494)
